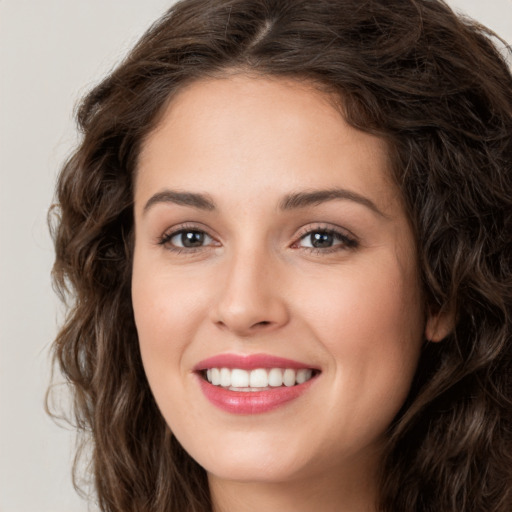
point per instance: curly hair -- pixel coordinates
(435, 87)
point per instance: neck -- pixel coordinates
(355, 491)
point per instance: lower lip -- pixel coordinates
(252, 402)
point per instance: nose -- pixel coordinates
(252, 297)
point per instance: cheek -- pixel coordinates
(166, 301)
(163, 317)
(371, 325)
(164, 321)
(376, 302)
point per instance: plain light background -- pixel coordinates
(51, 53)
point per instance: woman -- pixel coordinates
(287, 238)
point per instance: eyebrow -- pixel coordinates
(293, 201)
(200, 201)
(316, 197)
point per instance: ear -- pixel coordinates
(439, 325)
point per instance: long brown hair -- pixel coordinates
(435, 87)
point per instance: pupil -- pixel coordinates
(192, 239)
(321, 240)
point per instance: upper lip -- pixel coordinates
(249, 362)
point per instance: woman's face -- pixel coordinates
(271, 244)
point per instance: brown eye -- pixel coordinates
(324, 239)
(321, 240)
(189, 239)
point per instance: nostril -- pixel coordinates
(262, 324)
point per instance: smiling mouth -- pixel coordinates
(258, 379)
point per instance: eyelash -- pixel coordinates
(346, 241)
(165, 239)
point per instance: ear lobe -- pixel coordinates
(438, 326)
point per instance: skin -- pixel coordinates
(256, 285)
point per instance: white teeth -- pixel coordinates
(215, 376)
(239, 378)
(225, 377)
(303, 375)
(243, 380)
(258, 378)
(275, 377)
(289, 377)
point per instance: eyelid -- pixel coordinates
(171, 232)
(349, 240)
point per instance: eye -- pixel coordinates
(190, 239)
(184, 239)
(319, 240)
(325, 239)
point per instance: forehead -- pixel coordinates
(277, 133)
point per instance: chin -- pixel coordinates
(254, 470)
(253, 460)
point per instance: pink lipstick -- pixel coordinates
(253, 384)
